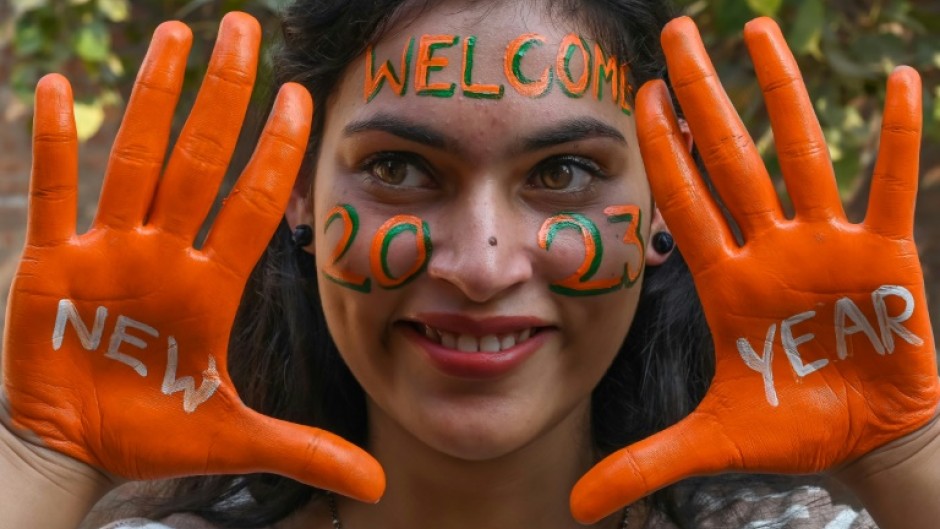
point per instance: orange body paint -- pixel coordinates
(378, 256)
(605, 68)
(350, 219)
(626, 90)
(512, 67)
(569, 45)
(632, 235)
(375, 80)
(427, 63)
(596, 68)
(467, 87)
(579, 283)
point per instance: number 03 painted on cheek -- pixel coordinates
(581, 282)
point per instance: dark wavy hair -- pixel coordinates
(283, 360)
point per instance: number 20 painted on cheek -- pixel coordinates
(581, 282)
(378, 255)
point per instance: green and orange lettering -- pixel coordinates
(632, 235)
(512, 67)
(378, 256)
(374, 80)
(350, 219)
(427, 63)
(580, 283)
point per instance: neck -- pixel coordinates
(526, 487)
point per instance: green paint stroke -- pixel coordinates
(365, 287)
(438, 92)
(391, 72)
(581, 221)
(517, 66)
(387, 242)
(567, 67)
(628, 217)
(602, 73)
(468, 74)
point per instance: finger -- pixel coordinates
(140, 146)
(801, 147)
(53, 186)
(205, 145)
(733, 163)
(894, 183)
(688, 207)
(256, 204)
(692, 447)
(309, 455)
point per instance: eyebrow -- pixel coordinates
(402, 128)
(566, 131)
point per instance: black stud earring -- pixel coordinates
(302, 235)
(663, 242)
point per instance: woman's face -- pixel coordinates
(464, 328)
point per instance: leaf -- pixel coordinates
(806, 30)
(28, 39)
(92, 42)
(115, 10)
(767, 8)
(88, 119)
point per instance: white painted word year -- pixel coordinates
(848, 320)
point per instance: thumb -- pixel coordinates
(309, 455)
(693, 446)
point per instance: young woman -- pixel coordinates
(473, 286)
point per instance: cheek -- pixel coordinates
(592, 254)
(367, 254)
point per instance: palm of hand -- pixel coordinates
(828, 392)
(822, 341)
(115, 344)
(168, 313)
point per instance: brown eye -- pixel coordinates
(392, 172)
(565, 173)
(556, 176)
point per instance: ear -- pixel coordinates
(657, 225)
(300, 211)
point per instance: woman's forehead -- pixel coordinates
(481, 66)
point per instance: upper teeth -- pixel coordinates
(490, 343)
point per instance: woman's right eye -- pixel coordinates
(395, 169)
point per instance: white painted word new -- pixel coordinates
(192, 397)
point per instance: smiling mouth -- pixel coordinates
(468, 343)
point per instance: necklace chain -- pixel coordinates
(337, 524)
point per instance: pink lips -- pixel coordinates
(478, 365)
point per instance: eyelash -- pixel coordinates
(586, 164)
(367, 167)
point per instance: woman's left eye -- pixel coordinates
(565, 173)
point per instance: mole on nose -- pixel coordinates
(492, 241)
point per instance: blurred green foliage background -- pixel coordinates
(845, 49)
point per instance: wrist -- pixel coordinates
(898, 483)
(43, 488)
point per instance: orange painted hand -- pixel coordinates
(822, 340)
(115, 345)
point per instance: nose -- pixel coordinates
(481, 247)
